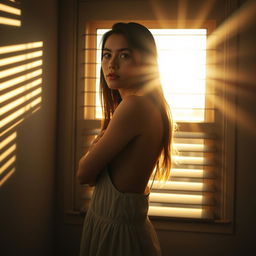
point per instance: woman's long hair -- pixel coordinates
(140, 38)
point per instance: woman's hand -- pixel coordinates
(126, 124)
(94, 142)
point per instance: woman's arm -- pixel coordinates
(126, 124)
(94, 142)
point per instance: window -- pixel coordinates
(197, 188)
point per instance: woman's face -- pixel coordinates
(120, 64)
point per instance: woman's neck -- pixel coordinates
(128, 92)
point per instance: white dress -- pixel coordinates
(117, 224)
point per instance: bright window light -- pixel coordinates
(182, 65)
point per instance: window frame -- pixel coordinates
(224, 224)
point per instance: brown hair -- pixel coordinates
(140, 38)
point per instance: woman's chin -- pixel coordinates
(113, 86)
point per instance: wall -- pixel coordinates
(27, 196)
(172, 242)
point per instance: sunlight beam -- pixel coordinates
(7, 152)
(20, 90)
(182, 13)
(20, 96)
(11, 22)
(7, 140)
(21, 100)
(20, 112)
(19, 58)
(21, 68)
(5, 166)
(20, 47)
(7, 177)
(203, 12)
(20, 79)
(159, 12)
(241, 19)
(9, 9)
(236, 114)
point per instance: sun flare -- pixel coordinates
(182, 66)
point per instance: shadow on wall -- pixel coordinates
(20, 96)
(10, 13)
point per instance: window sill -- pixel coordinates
(170, 224)
(193, 225)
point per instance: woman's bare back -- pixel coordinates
(132, 167)
(130, 146)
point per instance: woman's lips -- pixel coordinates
(112, 76)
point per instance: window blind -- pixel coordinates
(190, 192)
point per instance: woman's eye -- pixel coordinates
(106, 55)
(124, 55)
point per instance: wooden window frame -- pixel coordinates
(226, 175)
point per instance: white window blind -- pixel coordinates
(190, 192)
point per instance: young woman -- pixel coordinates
(135, 140)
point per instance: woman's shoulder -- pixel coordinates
(137, 103)
(140, 110)
(130, 114)
(129, 106)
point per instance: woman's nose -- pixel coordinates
(113, 63)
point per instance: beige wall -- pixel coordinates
(27, 197)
